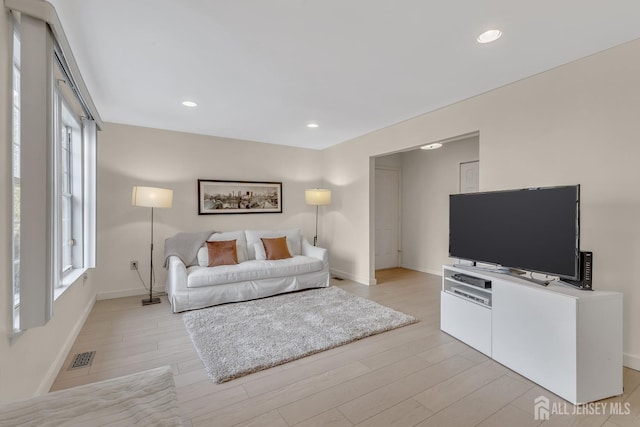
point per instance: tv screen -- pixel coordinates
(535, 229)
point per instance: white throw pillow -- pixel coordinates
(241, 246)
(203, 256)
(258, 248)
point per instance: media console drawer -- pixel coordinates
(466, 321)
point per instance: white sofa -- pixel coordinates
(199, 286)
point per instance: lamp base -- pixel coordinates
(149, 301)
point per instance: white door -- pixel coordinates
(387, 194)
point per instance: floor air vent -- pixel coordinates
(82, 360)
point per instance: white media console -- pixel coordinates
(566, 340)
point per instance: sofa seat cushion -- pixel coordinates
(251, 270)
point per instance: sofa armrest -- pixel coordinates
(314, 251)
(177, 274)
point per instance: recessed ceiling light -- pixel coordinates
(312, 125)
(432, 146)
(189, 104)
(489, 36)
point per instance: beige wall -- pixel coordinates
(428, 177)
(574, 124)
(389, 161)
(30, 361)
(346, 221)
(130, 155)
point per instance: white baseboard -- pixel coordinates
(349, 276)
(124, 293)
(57, 365)
(631, 361)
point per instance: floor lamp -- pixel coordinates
(317, 197)
(151, 197)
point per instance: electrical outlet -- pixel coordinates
(133, 265)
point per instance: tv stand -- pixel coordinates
(564, 339)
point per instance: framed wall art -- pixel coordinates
(469, 177)
(238, 197)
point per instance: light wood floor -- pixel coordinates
(412, 376)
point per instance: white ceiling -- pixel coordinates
(262, 69)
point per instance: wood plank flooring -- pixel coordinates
(412, 376)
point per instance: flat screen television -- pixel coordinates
(534, 229)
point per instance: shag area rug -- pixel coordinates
(143, 399)
(241, 338)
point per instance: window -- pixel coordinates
(66, 199)
(15, 151)
(53, 169)
(70, 183)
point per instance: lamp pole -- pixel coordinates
(151, 299)
(315, 238)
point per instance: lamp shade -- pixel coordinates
(152, 197)
(317, 197)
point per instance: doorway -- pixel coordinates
(409, 227)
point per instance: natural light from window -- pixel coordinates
(15, 137)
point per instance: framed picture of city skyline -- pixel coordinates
(238, 197)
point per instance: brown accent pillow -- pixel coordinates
(222, 253)
(276, 248)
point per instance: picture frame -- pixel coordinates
(220, 197)
(469, 177)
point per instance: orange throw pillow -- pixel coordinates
(276, 248)
(222, 253)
